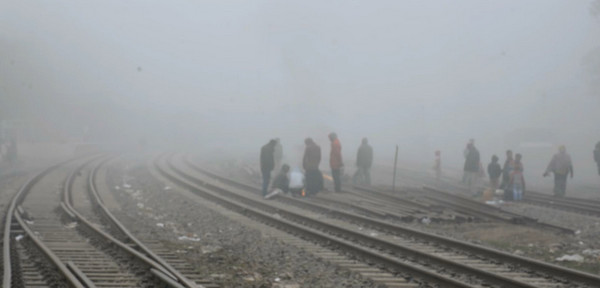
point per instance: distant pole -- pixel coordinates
(395, 163)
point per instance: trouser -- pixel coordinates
(517, 193)
(494, 184)
(314, 181)
(362, 176)
(560, 185)
(472, 181)
(266, 175)
(337, 180)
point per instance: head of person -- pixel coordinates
(518, 157)
(494, 159)
(332, 136)
(308, 141)
(365, 141)
(509, 154)
(438, 153)
(562, 149)
(277, 140)
(285, 168)
(598, 146)
(272, 142)
(472, 142)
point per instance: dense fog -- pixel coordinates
(224, 77)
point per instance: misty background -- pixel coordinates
(223, 77)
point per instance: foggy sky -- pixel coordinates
(229, 75)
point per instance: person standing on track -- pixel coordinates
(310, 163)
(364, 160)
(494, 171)
(472, 167)
(561, 166)
(278, 154)
(506, 170)
(335, 161)
(517, 181)
(267, 163)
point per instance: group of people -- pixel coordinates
(310, 182)
(513, 181)
(511, 173)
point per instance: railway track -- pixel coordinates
(49, 243)
(589, 207)
(413, 254)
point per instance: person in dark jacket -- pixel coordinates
(267, 163)
(597, 156)
(281, 181)
(310, 163)
(561, 166)
(364, 160)
(471, 168)
(509, 164)
(494, 171)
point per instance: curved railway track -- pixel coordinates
(413, 254)
(59, 247)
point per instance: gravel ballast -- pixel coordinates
(227, 251)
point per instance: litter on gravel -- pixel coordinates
(570, 258)
(186, 238)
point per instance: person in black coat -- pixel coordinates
(494, 171)
(471, 169)
(267, 163)
(364, 160)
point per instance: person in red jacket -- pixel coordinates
(335, 161)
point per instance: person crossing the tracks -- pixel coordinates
(494, 171)
(472, 168)
(509, 163)
(310, 163)
(364, 160)
(517, 181)
(335, 161)
(561, 166)
(267, 163)
(597, 156)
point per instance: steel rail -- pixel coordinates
(578, 205)
(536, 265)
(8, 219)
(397, 249)
(67, 201)
(181, 279)
(298, 229)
